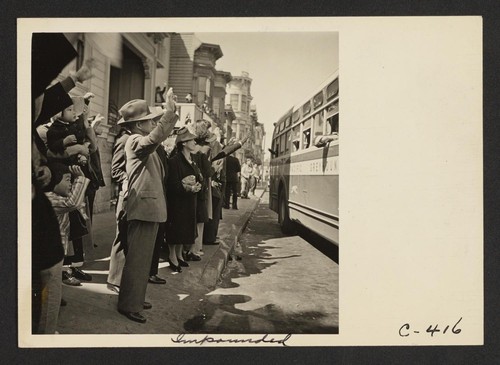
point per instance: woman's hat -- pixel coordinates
(184, 135)
(137, 110)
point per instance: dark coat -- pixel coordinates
(118, 161)
(232, 168)
(60, 130)
(181, 207)
(207, 172)
(55, 136)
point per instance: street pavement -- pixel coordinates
(92, 309)
(280, 285)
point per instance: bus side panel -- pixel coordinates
(318, 212)
(314, 191)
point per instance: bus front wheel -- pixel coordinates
(286, 225)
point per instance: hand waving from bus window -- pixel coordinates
(322, 141)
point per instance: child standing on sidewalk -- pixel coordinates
(64, 196)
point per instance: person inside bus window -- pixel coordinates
(306, 138)
(332, 125)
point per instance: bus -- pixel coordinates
(304, 165)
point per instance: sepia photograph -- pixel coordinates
(221, 216)
(186, 187)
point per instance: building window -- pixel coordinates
(234, 98)
(80, 48)
(244, 105)
(208, 87)
(202, 86)
(216, 106)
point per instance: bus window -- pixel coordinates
(306, 139)
(318, 99)
(296, 116)
(306, 108)
(332, 118)
(332, 89)
(288, 121)
(318, 124)
(306, 134)
(332, 125)
(296, 138)
(277, 146)
(282, 143)
(287, 141)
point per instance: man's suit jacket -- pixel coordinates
(145, 171)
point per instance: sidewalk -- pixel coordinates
(92, 307)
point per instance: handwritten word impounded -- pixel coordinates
(209, 339)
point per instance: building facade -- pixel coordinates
(193, 76)
(239, 97)
(126, 66)
(142, 66)
(258, 136)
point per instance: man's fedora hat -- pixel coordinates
(184, 135)
(137, 110)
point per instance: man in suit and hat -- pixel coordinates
(146, 204)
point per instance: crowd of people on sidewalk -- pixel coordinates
(171, 195)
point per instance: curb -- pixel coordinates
(215, 266)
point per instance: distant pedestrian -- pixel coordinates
(220, 154)
(146, 203)
(233, 169)
(246, 178)
(256, 178)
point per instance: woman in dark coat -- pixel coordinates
(204, 202)
(183, 184)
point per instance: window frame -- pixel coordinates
(318, 100)
(331, 96)
(306, 108)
